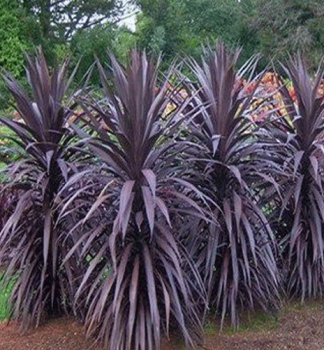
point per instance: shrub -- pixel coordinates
(140, 278)
(237, 256)
(302, 208)
(30, 235)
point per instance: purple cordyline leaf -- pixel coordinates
(121, 81)
(127, 213)
(285, 201)
(158, 153)
(42, 179)
(235, 170)
(47, 234)
(55, 266)
(169, 239)
(233, 241)
(125, 206)
(149, 206)
(297, 191)
(111, 158)
(157, 107)
(153, 302)
(176, 303)
(174, 257)
(271, 180)
(95, 122)
(224, 270)
(245, 264)
(104, 79)
(37, 113)
(66, 204)
(250, 234)
(141, 331)
(24, 105)
(120, 275)
(14, 219)
(84, 242)
(228, 217)
(97, 307)
(49, 156)
(164, 209)
(20, 129)
(151, 180)
(73, 180)
(297, 160)
(99, 304)
(112, 242)
(185, 199)
(319, 200)
(237, 209)
(167, 304)
(296, 229)
(316, 229)
(314, 163)
(194, 189)
(116, 339)
(64, 168)
(215, 142)
(100, 199)
(93, 264)
(139, 218)
(133, 295)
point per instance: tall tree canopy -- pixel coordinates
(12, 36)
(289, 26)
(183, 26)
(60, 18)
(274, 27)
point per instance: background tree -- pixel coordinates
(61, 18)
(12, 42)
(274, 28)
(51, 24)
(289, 26)
(185, 26)
(97, 42)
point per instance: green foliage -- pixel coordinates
(182, 27)
(12, 44)
(58, 20)
(4, 295)
(12, 37)
(97, 42)
(50, 24)
(5, 292)
(289, 26)
(273, 28)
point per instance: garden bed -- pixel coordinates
(296, 328)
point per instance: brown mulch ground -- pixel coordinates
(297, 328)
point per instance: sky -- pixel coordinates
(130, 18)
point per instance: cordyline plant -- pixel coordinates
(302, 213)
(140, 280)
(237, 257)
(29, 240)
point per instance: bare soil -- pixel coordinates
(296, 328)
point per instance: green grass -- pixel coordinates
(249, 321)
(4, 294)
